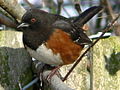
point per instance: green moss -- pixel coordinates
(4, 79)
(106, 64)
(6, 55)
(26, 78)
(113, 63)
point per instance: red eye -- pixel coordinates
(33, 20)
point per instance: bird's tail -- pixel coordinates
(85, 16)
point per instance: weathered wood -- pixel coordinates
(15, 63)
(106, 64)
(80, 77)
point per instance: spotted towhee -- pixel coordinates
(54, 39)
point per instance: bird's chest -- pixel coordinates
(61, 42)
(59, 49)
(45, 55)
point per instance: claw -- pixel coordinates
(52, 73)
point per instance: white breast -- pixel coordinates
(45, 55)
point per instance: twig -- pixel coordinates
(108, 9)
(77, 7)
(60, 2)
(10, 14)
(66, 12)
(30, 4)
(5, 13)
(108, 27)
(7, 21)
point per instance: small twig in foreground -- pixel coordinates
(108, 27)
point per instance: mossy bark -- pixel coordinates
(106, 64)
(15, 63)
(79, 79)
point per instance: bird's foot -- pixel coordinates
(52, 73)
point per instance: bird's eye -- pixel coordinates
(33, 20)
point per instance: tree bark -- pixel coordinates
(79, 79)
(15, 63)
(106, 64)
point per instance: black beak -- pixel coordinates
(23, 25)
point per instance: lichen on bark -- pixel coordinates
(15, 63)
(106, 64)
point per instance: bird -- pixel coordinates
(51, 38)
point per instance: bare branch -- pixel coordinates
(5, 13)
(60, 2)
(77, 7)
(13, 8)
(31, 5)
(7, 21)
(108, 8)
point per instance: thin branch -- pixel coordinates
(66, 12)
(77, 7)
(5, 13)
(11, 15)
(30, 4)
(109, 10)
(108, 27)
(7, 21)
(13, 8)
(60, 2)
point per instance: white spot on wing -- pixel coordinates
(45, 55)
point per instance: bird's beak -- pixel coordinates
(23, 25)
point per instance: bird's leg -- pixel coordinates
(53, 72)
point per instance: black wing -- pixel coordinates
(77, 34)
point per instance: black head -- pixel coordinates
(34, 18)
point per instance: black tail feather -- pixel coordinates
(87, 15)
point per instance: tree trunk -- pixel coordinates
(15, 63)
